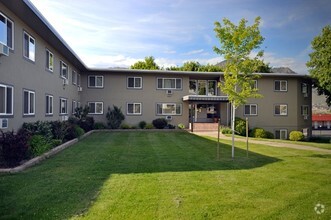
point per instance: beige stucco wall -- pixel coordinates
(21, 73)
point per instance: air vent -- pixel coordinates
(4, 50)
(169, 117)
(3, 123)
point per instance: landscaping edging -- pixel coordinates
(44, 156)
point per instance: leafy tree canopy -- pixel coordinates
(320, 63)
(147, 64)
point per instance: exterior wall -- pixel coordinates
(115, 92)
(21, 73)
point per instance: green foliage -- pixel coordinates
(142, 124)
(43, 128)
(14, 147)
(296, 136)
(114, 117)
(269, 135)
(87, 123)
(149, 126)
(181, 126)
(59, 129)
(261, 133)
(81, 113)
(147, 64)
(197, 67)
(74, 131)
(56, 142)
(319, 64)
(226, 130)
(99, 125)
(38, 145)
(160, 123)
(125, 126)
(237, 43)
(240, 126)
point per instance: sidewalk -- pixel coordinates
(269, 143)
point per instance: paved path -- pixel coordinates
(269, 143)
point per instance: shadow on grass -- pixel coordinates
(67, 183)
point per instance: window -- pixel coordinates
(29, 47)
(203, 87)
(169, 83)
(95, 108)
(49, 105)
(64, 70)
(135, 82)
(281, 134)
(254, 84)
(304, 88)
(78, 79)
(6, 99)
(134, 109)
(280, 110)
(281, 85)
(6, 31)
(193, 87)
(74, 77)
(49, 60)
(168, 109)
(73, 107)
(29, 102)
(250, 109)
(95, 81)
(304, 110)
(63, 106)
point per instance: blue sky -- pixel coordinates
(110, 33)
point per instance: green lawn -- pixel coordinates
(169, 175)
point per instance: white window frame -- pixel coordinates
(163, 109)
(280, 85)
(250, 109)
(11, 102)
(255, 85)
(134, 82)
(74, 77)
(78, 79)
(11, 35)
(31, 109)
(134, 104)
(49, 104)
(95, 112)
(28, 52)
(64, 67)
(305, 110)
(282, 133)
(95, 80)
(173, 88)
(49, 60)
(304, 88)
(73, 106)
(63, 106)
(280, 110)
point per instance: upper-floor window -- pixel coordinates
(6, 31)
(64, 70)
(280, 109)
(254, 84)
(203, 87)
(29, 46)
(78, 79)
(74, 77)
(250, 109)
(281, 85)
(95, 81)
(304, 89)
(135, 82)
(63, 106)
(169, 83)
(6, 99)
(49, 60)
(49, 105)
(29, 102)
(95, 108)
(168, 109)
(133, 109)
(304, 110)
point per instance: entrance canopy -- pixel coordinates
(205, 98)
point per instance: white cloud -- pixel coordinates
(296, 65)
(193, 52)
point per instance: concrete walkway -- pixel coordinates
(269, 143)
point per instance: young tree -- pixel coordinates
(237, 45)
(148, 64)
(320, 63)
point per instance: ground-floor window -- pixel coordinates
(281, 134)
(168, 109)
(133, 109)
(6, 99)
(29, 102)
(95, 108)
(49, 104)
(63, 106)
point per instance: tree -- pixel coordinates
(319, 64)
(114, 117)
(148, 64)
(237, 43)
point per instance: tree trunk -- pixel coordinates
(233, 128)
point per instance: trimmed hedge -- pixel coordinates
(296, 136)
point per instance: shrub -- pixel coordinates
(269, 135)
(59, 129)
(240, 126)
(99, 125)
(149, 126)
(296, 136)
(160, 123)
(81, 113)
(125, 126)
(43, 128)
(38, 145)
(73, 131)
(142, 124)
(134, 127)
(170, 126)
(181, 126)
(87, 123)
(56, 142)
(258, 133)
(14, 147)
(226, 130)
(114, 117)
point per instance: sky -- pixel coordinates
(112, 33)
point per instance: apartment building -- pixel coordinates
(41, 78)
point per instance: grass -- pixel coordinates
(168, 175)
